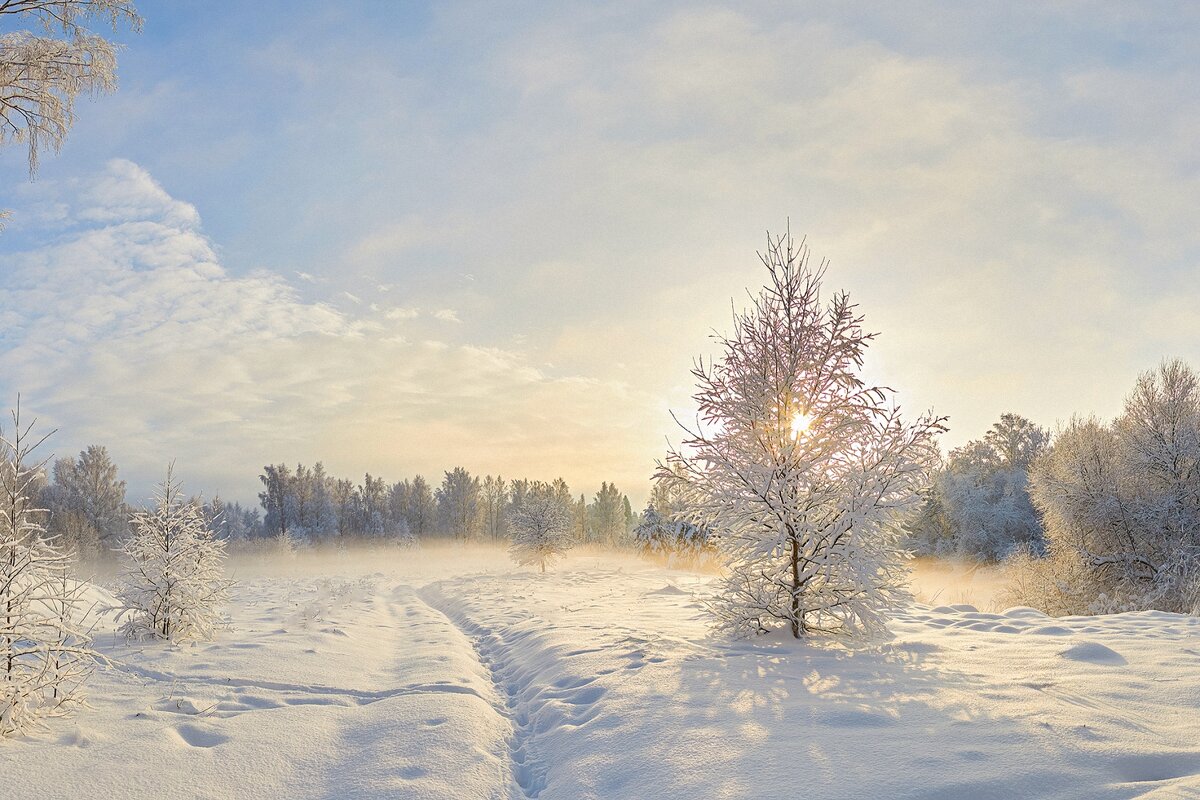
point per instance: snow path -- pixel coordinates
(348, 688)
(528, 774)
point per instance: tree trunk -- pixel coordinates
(795, 556)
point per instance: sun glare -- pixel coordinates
(800, 424)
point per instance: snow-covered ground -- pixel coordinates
(449, 674)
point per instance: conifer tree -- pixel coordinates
(45, 654)
(174, 582)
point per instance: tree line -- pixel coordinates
(308, 505)
(86, 511)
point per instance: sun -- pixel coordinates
(800, 424)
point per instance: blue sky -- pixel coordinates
(400, 236)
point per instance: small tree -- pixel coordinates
(541, 526)
(175, 582)
(45, 656)
(803, 467)
(672, 537)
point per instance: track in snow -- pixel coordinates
(528, 774)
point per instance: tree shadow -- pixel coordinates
(773, 717)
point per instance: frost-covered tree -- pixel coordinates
(607, 517)
(278, 506)
(666, 528)
(231, 522)
(458, 505)
(372, 508)
(579, 511)
(979, 505)
(493, 502)
(541, 526)
(401, 534)
(321, 520)
(1121, 504)
(86, 503)
(674, 537)
(422, 510)
(45, 654)
(174, 584)
(803, 467)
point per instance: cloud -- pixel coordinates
(1008, 193)
(129, 332)
(400, 314)
(447, 315)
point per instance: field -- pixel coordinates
(449, 674)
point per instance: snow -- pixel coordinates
(452, 674)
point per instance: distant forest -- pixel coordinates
(84, 499)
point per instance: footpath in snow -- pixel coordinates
(450, 675)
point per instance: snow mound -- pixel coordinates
(670, 588)
(1093, 653)
(1022, 612)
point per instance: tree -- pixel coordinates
(276, 500)
(580, 513)
(1121, 504)
(674, 536)
(343, 497)
(321, 519)
(665, 527)
(458, 505)
(373, 507)
(86, 503)
(421, 508)
(979, 506)
(174, 582)
(541, 526)
(1016, 441)
(804, 468)
(232, 523)
(494, 500)
(41, 74)
(45, 656)
(609, 523)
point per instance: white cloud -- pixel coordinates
(401, 314)
(129, 332)
(446, 315)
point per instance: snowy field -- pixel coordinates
(449, 674)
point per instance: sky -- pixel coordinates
(399, 237)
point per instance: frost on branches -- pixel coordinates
(1121, 506)
(45, 654)
(175, 583)
(666, 529)
(803, 468)
(541, 526)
